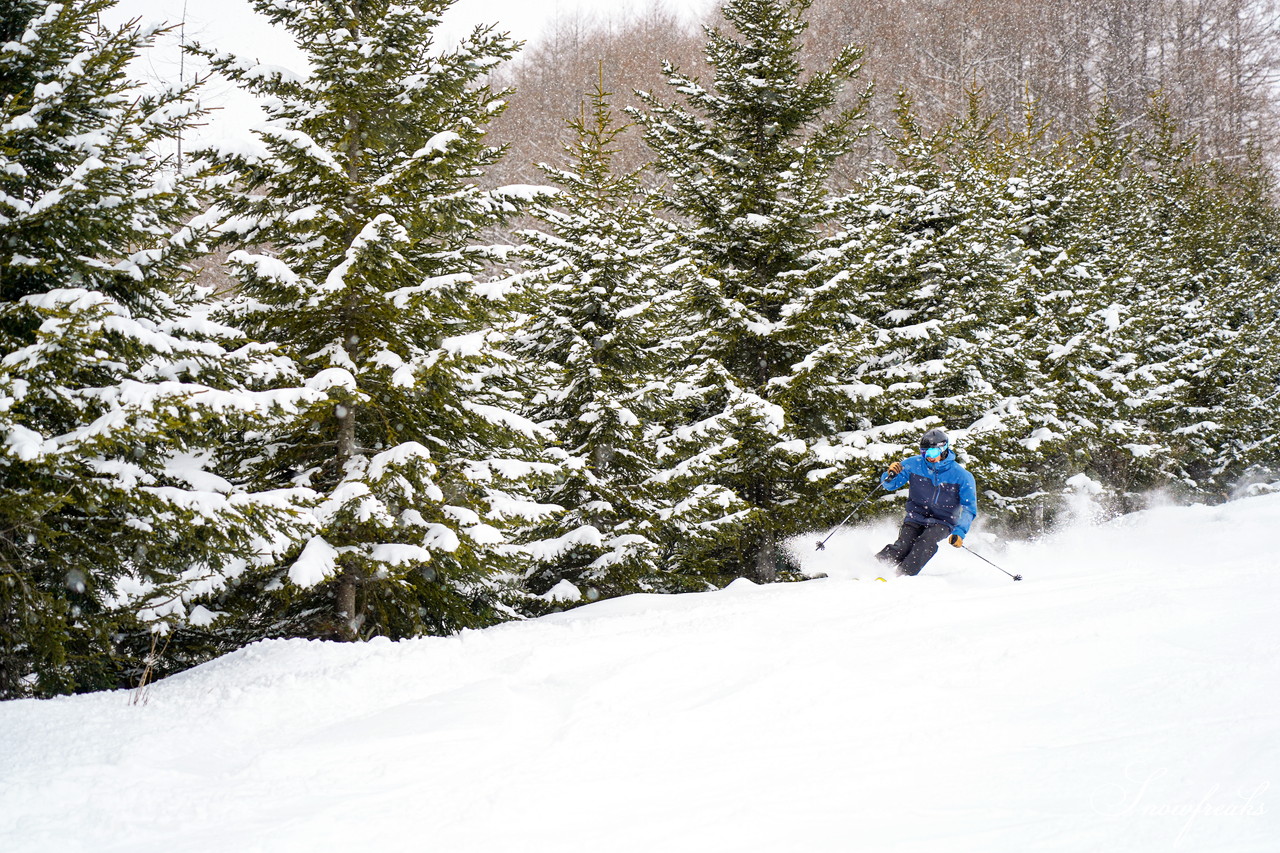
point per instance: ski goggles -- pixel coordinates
(934, 453)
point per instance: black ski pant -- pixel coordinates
(916, 545)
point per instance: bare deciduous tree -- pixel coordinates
(552, 77)
(1216, 62)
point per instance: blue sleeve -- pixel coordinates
(892, 484)
(968, 505)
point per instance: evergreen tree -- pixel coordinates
(361, 189)
(1066, 309)
(1011, 277)
(747, 161)
(1129, 321)
(606, 330)
(1232, 399)
(111, 515)
(1204, 364)
(949, 256)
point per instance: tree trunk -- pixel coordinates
(766, 558)
(346, 415)
(345, 602)
(345, 605)
(349, 580)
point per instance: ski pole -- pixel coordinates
(985, 560)
(822, 546)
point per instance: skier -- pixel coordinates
(943, 501)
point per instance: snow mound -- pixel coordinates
(1125, 697)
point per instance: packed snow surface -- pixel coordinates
(1124, 697)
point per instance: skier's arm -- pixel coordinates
(891, 482)
(968, 506)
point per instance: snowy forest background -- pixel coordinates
(461, 335)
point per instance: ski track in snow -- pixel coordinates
(1124, 697)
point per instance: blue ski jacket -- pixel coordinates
(941, 492)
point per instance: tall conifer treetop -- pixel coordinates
(361, 192)
(114, 388)
(607, 337)
(747, 162)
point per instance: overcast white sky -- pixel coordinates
(232, 25)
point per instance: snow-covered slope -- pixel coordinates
(1124, 697)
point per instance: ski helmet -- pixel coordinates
(934, 445)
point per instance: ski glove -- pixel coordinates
(957, 541)
(895, 469)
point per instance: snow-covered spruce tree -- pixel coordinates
(915, 298)
(1008, 276)
(1231, 402)
(991, 266)
(360, 191)
(747, 162)
(1108, 299)
(1121, 314)
(1194, 367)
(110, 514)
(1096, 269)
(606, 333)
